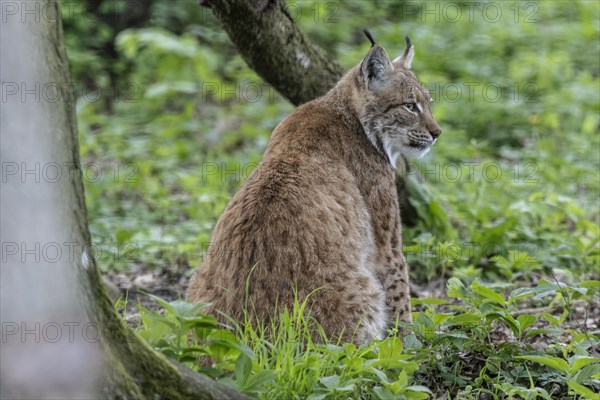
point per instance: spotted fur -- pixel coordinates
(319, 215)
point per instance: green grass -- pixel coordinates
(509, 200)
(450, 349)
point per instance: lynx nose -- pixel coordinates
(435, 133)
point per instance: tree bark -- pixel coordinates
(271, 43)
(273, 46)
(61, 337)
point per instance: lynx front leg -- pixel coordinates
(397, 292)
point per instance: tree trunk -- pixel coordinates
(61, 337)
(270, 42)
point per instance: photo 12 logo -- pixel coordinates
(53, 92)
(63, 331)
(240, 92)
(28, 11)
(489, 92)
(475, 171)
(470, 11)
(54, 172)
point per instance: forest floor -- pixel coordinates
(171, 284)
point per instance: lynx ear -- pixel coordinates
(375, 65)
(405, 60)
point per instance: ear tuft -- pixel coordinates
(375, 65)
(405, 60)
(369, 36)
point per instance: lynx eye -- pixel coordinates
(410, 106)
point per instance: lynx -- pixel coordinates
(319, 216)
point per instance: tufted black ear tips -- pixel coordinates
(405, 60)
(369, 36)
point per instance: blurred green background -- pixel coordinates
(171, 121)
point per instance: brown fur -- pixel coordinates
(321, 210)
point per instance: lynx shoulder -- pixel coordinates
(319, 215)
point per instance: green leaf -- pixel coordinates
(165, 304)
(591, 284)
(123, 235)
(429, 302)
(545, 290)
(159, 318)
(526, 320)
(318, 396)
(520, 293)
(455, 288)
(381, 375)
(346, 388)
(390, 348)
(330, 382)
(587, 372)
(583, 391)
(551, 319)
(440, 318)
(464, 319)
(419, 388)
(424, 320)
(456, 335)
(542, 331)
(243, 368)
(425, 325)
(199, 322)
(182, 308)
(553, 362)
(383, 393)
(223, 343)
(403, 379)
(255, 383)
(411, 342)
(577, 362)
(415, 395)
(388, 363)
(488, 293)
(507, 319)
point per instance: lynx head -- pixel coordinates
(393, 106)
